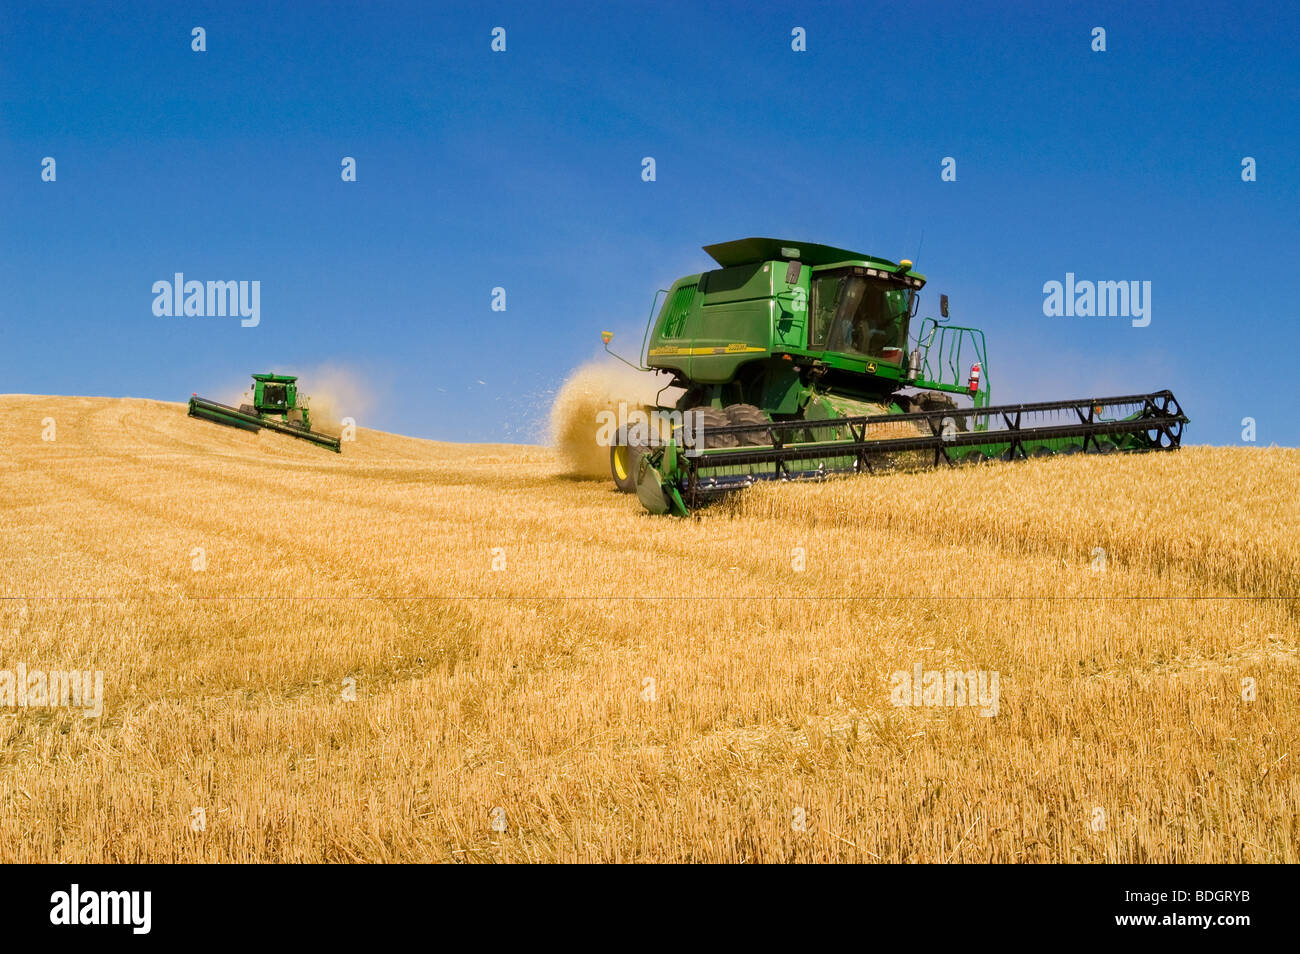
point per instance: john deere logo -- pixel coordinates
(871, 367)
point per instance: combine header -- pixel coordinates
(794, 362)
(276, 406)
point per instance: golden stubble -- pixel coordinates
(629, 688)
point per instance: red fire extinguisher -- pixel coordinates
(974, 382)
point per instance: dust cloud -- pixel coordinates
(594, 387)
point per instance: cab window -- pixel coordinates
(856, 315)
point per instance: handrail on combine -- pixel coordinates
(649, 323)
(948, 366)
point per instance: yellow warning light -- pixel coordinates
(607, 336)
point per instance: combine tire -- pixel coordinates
(748, 414)
(624, 458)
(705, 419)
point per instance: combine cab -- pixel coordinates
(795, 363)
(276, 406)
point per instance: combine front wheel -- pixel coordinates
(700, 422)
(749, 415)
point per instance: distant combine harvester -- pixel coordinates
(276, 406)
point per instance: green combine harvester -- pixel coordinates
(276, 406)
(794, 363)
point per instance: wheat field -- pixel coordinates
(419, 651)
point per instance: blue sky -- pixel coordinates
(522, 170)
